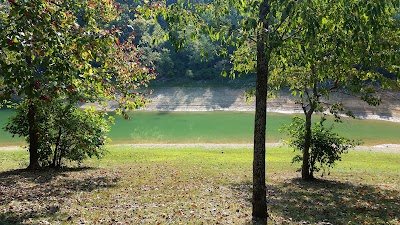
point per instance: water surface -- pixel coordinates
(217, 127)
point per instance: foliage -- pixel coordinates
(66, 132)
(326, 146)
(339, 54)
(195, 61)
(61, 49)
(65, 51)
(333, 53)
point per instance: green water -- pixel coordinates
(371, 132)
(218, 127)
(5, 137)
(186, 127)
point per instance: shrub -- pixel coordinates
(65, 131)
(326, 145)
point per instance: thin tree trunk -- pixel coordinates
(61, 155)
(33, 138)
(259, 187)
(305, 169)
(56, 148)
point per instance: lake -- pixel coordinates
(218, 127)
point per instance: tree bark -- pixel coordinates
(33, 138)
(259, 186)
(305, 169)
(306, 173)
(56, 149)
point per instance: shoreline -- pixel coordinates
(204, 99)
(384, 148)
(362, 117)
(209, 99)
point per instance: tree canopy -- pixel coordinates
(65, 49)
(67, 52)
(332, 54)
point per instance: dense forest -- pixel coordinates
(198, 60)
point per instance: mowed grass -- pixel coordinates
(197, 186)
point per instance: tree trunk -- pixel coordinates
(33, 138)
(305, 169)
(56, 149)
(259, 187)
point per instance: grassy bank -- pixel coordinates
(219, 127)
(197, 186)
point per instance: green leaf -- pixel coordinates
(324, 21)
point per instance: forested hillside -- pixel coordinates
(198, 60)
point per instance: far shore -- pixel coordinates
(168, 99)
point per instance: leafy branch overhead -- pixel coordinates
(230, 24)
(350, 55)
(64, 49)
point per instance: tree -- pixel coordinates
(335, 53)
(263, 57)
(64, 51)
(268, 28)
(257, 25)
(326, 146)
(194, 61)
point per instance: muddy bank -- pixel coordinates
(221, 98)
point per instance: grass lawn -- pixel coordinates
(197, 186)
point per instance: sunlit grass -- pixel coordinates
(12, 159)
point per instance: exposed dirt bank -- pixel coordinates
(220, 98)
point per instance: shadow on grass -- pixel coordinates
(28, 195)
(44, 175)
(328, 202)
(18, 218)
